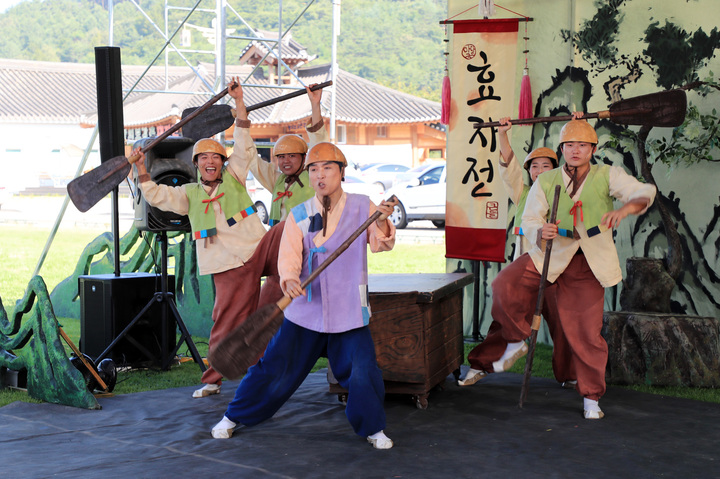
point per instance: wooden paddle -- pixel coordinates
(86, 190)
(663, 109)
(240, 349)
(537, 317)
(219, 118)
(81, 356)
(209, 123)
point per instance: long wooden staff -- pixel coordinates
(537, 317)
(239, 350)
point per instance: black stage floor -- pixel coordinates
(471, 432)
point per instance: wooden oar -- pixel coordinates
(220, 117)
(209, 123)
(537, 317)
(663, 109)
(240, 349)
(81, 356)
(86, 190)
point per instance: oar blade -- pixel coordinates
(86, 190)
(209, 122)
(244, 345)
(661, 109)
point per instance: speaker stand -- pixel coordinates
(167, 300)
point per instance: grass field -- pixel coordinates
(20, 248)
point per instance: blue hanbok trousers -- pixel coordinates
(288, 359)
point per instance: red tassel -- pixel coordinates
(446, 96)
(525, 105)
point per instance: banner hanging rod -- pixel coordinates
(450, 22)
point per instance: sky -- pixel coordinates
(5, 4)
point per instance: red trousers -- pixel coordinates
(574, 303)
(238, 293)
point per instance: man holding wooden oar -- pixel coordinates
(584, 261)
(330, 318)
(230, 240)
(288, 178)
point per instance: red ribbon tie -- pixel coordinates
(281, 194)
(210, 200)
(574, 211)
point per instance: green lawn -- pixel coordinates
(20, 248)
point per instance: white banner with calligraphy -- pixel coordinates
(482, 74)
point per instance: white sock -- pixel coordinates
(592, 409)
(591, 405)
(510, 350)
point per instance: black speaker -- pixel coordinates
(168, 163)
(108, 303)
(109, 102)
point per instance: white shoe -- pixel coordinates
(510, 356)
(207, 390)
(569, 384)
(472, 376)
(380, 441)
(223, 429)
(591, 409)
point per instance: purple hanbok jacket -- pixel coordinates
(337, 300)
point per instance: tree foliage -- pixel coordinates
(596, 39)
(678, 54)
(696, 140)
(396, 43)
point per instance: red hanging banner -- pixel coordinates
(482, 67)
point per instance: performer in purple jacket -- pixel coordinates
(330, 318)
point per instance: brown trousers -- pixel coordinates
(573, 309)
(238, 293)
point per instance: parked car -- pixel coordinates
(353, 184)
(260, 196)
(381, 173)
(421, 194)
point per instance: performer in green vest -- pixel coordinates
(230, 240)
(537, 161)
(286, 177)
(583, 262)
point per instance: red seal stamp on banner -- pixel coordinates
(468, 51)
(491, 210)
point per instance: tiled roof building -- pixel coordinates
(65, 93)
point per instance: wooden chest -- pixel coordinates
(417, 327)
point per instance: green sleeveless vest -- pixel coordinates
(519, 211)
(295, 195)
(234, 201)
(594, 198)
